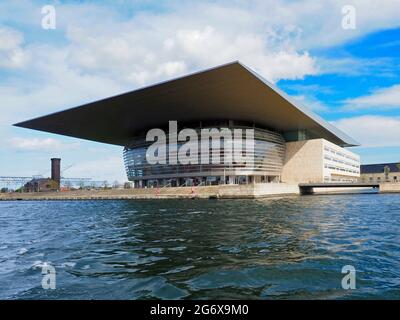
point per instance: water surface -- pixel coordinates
(284, 248)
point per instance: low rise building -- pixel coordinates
(382, 172)
(41, 185)
(46, 184)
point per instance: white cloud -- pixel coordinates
(372, 131)
(106, 54)
(110, 168)
(353, 66)
(380, 99)
(36, 144)
(158, 51)
(270, 36)
(51, 85)
(317, 24)
(12, 55)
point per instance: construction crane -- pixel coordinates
(7, 181)
(42, 173)
(16, 181)
(65, 169)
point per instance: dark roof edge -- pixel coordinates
(20, 124)
(348, 141)
(381, 164)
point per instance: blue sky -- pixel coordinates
(350, 77)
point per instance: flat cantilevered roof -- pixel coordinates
(228, 92)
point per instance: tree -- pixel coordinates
(398, 166)
(116, 184)
(386, 170)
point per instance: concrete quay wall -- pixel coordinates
(388, 187)
(250, 191)
(222, 191)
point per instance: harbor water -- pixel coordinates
(281, 248)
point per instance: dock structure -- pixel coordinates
(254, 191)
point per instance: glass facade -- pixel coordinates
(269, 153)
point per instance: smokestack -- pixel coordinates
(55, 170)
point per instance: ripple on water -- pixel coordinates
(283, 248)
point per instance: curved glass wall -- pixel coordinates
(269, 153)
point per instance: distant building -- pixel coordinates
(378, 173)
(292, 144)
(41, 185)
(46, 184)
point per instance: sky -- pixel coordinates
(349, 76)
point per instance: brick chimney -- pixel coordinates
(56, 170)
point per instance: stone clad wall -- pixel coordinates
(307, 161)
(303, 162)
(389, 187)
(380, 177)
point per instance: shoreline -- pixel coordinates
(254, 191)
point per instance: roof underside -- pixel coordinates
(228, 92)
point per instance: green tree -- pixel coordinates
(386, 170)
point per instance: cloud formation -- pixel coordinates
(12, 55)
(379, 99)
(158, 50)
(39, 145)
(105, 51)
(372, 131)
(109, 168)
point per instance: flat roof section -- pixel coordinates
(379, 167)
(228, 92)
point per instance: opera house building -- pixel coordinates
(291, 143)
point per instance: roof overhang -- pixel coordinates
(227, 92)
